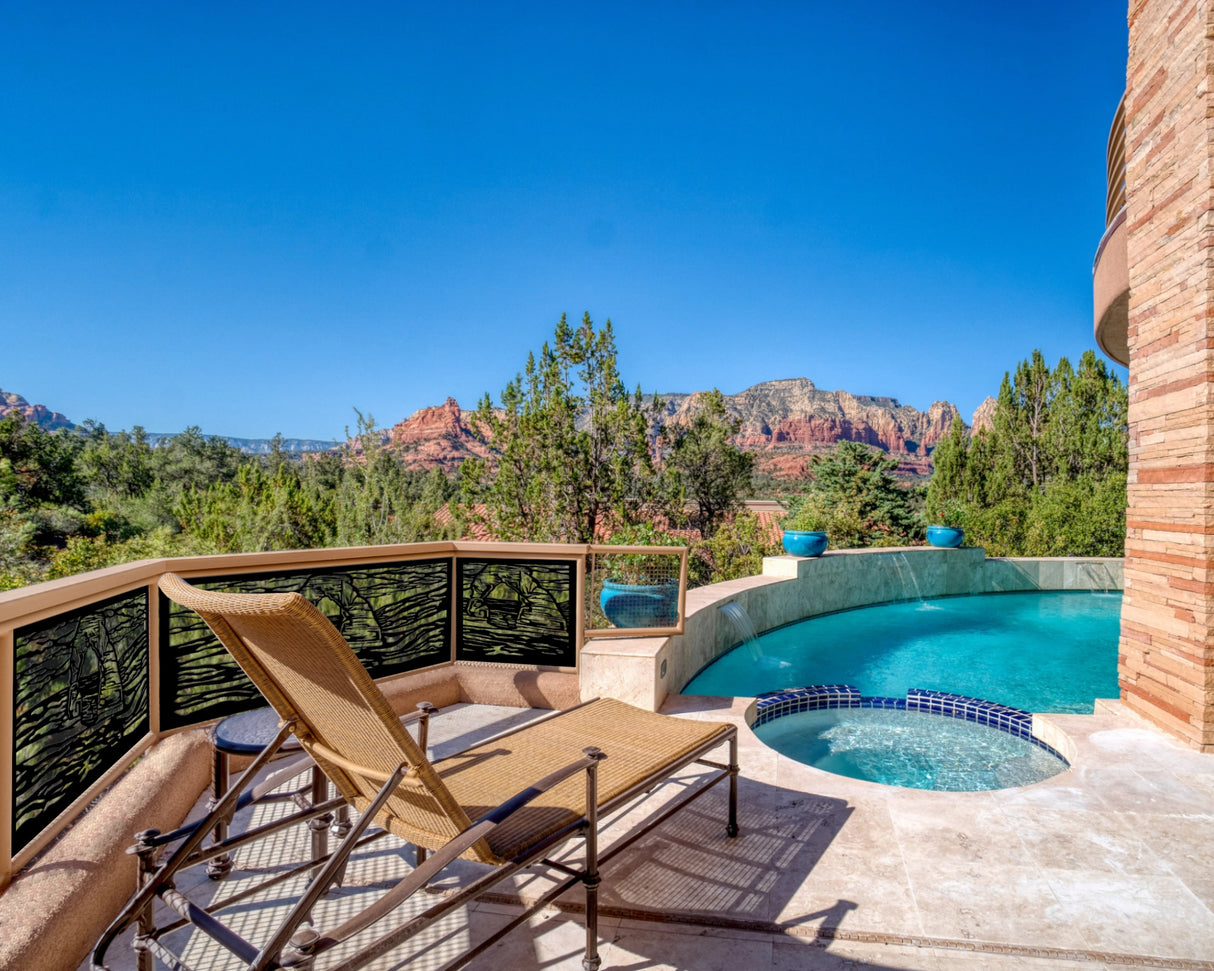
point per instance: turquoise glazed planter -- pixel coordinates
(640, 605)
(948, 537)
(798, 542)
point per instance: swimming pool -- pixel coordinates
(1052, 651)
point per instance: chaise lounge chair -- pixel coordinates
(510, 803)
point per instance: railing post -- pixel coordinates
(154, 641)
(582, 578)
(453, 600)
(8, 696)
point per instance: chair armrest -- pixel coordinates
(516, 802)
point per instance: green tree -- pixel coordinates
(709, 470)
(854, 494)
(378, 501)
(260, 510)
(573, 447)
(42, 464)
(190, 460)
(950, 484)
(1020, 422)
(735, 549)
(115, 465)
(1048, 477)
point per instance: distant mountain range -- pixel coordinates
(52, 420)
(784, 422)
(261, 446)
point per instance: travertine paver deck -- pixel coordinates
(1095, 868)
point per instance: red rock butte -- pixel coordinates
(784, 422)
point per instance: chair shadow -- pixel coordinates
(686, 891)
(678, 888)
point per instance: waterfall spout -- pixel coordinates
(902, 565)
(741, 621)
(1098, 576)
(750, 637)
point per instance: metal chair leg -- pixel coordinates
(590, 879)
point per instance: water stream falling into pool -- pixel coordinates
(750, 637)
(902, 565)
(1098, 573)
(741, 621)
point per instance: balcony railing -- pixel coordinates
(1115, 161)
(1110, 269)
(96, 668)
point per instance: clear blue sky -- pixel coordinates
(255, 217)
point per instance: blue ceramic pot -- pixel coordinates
(948, 537)
(640, 605)
(799, 542)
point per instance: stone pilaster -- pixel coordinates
(1166, 666)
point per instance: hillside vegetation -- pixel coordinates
(568, 454)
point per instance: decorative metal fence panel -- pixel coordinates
(517, 611)
(395, 616)
(81, 701)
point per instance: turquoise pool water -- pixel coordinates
(1046, 652)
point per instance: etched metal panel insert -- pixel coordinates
(81, 685)
(517, 611)
(396, 617)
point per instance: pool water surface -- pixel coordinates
(1050, 651)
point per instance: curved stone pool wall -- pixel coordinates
(644, 670)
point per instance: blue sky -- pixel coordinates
(257, 217)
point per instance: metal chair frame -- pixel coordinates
(297, 944)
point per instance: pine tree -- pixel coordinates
(1049, 477)
(708, 469)
(572, 445)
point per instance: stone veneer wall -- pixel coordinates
(1167, 665)
(644, 670)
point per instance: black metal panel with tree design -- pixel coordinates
(81, 687)
(517, 611)
(395, 616)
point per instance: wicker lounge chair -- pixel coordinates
(509, 803)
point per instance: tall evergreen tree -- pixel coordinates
(853, 492)
(1048, 478)
(573, 446)
(708, 468)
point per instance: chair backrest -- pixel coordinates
(307, 672)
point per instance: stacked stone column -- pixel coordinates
(1166, 667)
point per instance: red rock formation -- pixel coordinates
(38, 414)
(434, 437)
(785, 422)
(985, 415)
(789, 420)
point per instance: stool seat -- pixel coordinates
(249, 732)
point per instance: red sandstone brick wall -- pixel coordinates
(1167, 650)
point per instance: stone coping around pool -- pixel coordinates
(820, 697)
(645, 670)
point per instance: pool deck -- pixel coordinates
(1108, 865)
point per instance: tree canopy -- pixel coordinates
(76, 500)
(853, 496)
(1048, 478)
(574, 447)
(707, 468)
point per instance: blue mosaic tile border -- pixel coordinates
(776, 704)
